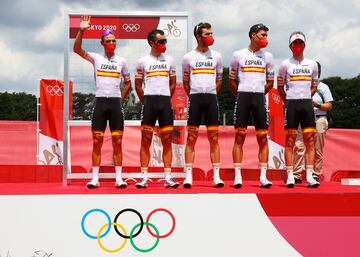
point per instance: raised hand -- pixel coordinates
(85, 22)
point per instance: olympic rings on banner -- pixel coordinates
(131, 27)
(141, 222)
(172, 228)
(83, 223)
(134, 231)
(55, 90)
(149, 249)
(102, 246)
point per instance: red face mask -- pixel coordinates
(298, 49)
(208, 41)
(160, 48)
(110, 48)
(263, 42)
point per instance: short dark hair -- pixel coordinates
(152, 35)
(319, 68)
(198, 28)
(256, 28)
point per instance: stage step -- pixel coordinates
(350, 181)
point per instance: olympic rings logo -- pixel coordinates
(276, 98)
(131, 27)
(55, 90)
(124, 234)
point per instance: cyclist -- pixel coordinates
(110, 69)
(299, 76)
(202, 77)
(157, 71)
(251, 77)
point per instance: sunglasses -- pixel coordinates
(110, 41)
(161, 41)
(107, 32)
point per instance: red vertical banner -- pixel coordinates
(52, 120)
(276, 118)
(179, 101)
(276, 130)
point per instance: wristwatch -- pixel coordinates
(318, 105)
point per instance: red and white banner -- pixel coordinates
(52, 121)
(134, 27)
(276, 130)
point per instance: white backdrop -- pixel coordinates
(230, 225)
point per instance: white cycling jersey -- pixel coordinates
(298, 77)
(155, 72)
(203, 69)
(108, 73)
(252, 69)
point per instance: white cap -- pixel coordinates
(297, 35)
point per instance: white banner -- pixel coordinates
(174, 27)
(276, 156)
(230, 225)
(50, 151)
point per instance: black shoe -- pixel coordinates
(317, 178)
(291, 185)
(298, 181)
(238, 185)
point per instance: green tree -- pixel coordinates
(17, 106)
(346, 94)
(226, 99)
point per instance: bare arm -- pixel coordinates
(233, 81)
(84, 24)
(282, 92)
(324, 106)
(280, 88)
(126, 90)
(268, 86)
(139, 90)
(218, 83)
(186, 82)
(313, 88)
(172, 84)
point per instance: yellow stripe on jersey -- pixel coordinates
(253, 69)
(157, 73)
(300, 78)
(203, 71)
(110, 74)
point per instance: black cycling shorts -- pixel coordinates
(107, 108)
(299, 111)
(200, 105)
(250, 103)
(157, 107)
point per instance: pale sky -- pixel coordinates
(32, 32)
